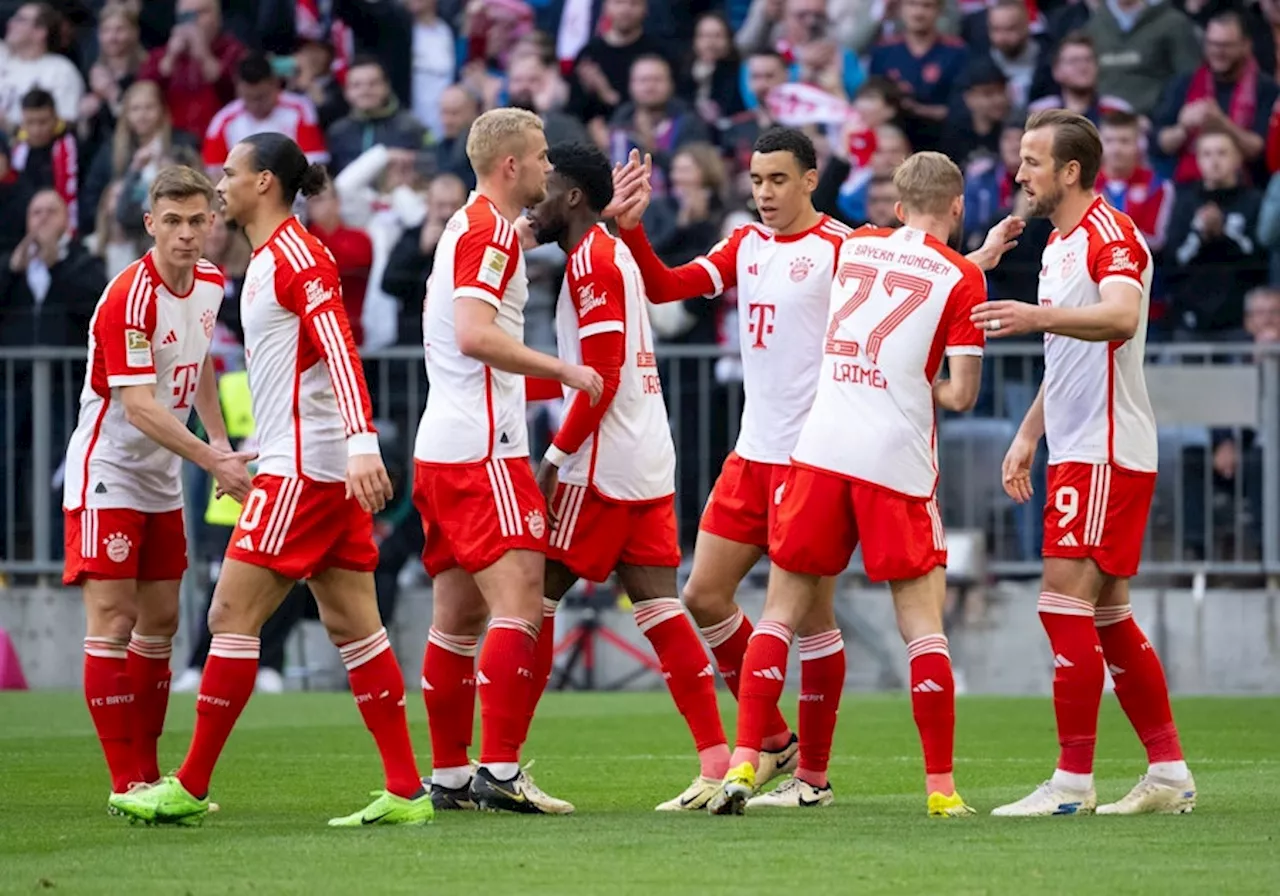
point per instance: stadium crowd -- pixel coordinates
(96, 97)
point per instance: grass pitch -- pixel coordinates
(296, 760)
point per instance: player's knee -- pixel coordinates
(158, 620)
(459, 618)
(109, 611)
(225, 618)
(706, 603)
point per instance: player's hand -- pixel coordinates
(1006, 318)
(584, 379)
(368, 482)
(231, 472)
(1015, 473)
(1000, 239)
(548, 481)
(524, 234)
(631, 190)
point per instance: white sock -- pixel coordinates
(503, 771)
(1072, 781)
(1169, 771)
(452, 778)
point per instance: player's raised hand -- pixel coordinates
(1000, 239)
(548, 481)
(631, 191)
(1015, 472)
(368, 482)
(1006, 318)
(584, 379)
(231, 472)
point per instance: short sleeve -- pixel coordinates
(597, 291)
(485, 259)
(124, 329)
(1122, 260)
(963, 338)
(215, 149)
(722, 261)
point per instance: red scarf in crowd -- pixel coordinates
(1241, 111)
(66, 168)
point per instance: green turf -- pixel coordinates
(297, 760)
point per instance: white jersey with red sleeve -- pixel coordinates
(311, 407)
(629, 456)
(784, 287)
(142, 334)
(294, 116)
(1096, 408)
(474, 412)
(899, 304)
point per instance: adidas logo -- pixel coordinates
(773, 673)
(1068, 541)
(504, 440)
(707, 672)
(928, 686)
(1114, 669)
(481, 678)
(170, 339)
(245, 544)
(1061, 662)
(753, 269)
(100, 489)
(426, 685)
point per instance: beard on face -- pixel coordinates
(956, 239)
(1045, 204)
(550, 232)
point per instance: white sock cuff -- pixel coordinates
(106, 648)
(722, 631)
(235, 647)
(1064, 605)
(462, 645)
(153, 647)
(928, 644)
(549, 607)
(1105, 616)
(815, 647)
(774, 629)
(515, 624)
(650, 613)
(357, 653)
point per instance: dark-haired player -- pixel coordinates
(320, 478)
(609, 475)
(782, 269)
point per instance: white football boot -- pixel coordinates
(793, 794)
(693, 797)
(1155, 796)
(1050, 799)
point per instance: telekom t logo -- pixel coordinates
(760, 322)
(185, 379)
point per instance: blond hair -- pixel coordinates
(125, 143)
(178, 182)
(498, 133)
(928, 182)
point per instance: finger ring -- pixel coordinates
(993, 324)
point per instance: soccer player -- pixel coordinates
(1095, 291)
(864, 468)
(483, 517)
(783, 270)
(310, 514)
(609, 475)
(126, 545)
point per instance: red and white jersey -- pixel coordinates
(630, 456)
(294, 116)
(473, 412)
(1096, 408)
(784, 287)
(311, 407)
(900, 302)
(142, 334)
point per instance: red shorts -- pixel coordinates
(472, 514)
(118, 543)
(1098, 511)
(593, 535)
(741, 506)
(821, 517)
(299, 528)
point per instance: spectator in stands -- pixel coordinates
(458, 108)
(882, 196)
(891, 149)
(196, 67)
(1142, 45)
(375, 118)
(765, 69)
(352, 250)
(29, 59)
(653, 120)
(1075, 77)
(977, 129)
(712, 77)
(45, 154)
(262, 106)
(313, 76)
(816, 58)
(15, 196)
(1213, 257)
(50, 283)
(120, 55)
(1018, 55)
(925, 64)
(989, 185)
(692, 212)
(1130, 185)
(601, 75)
(1227, 92)
(109, 240)
(434, 63)
(533, 84)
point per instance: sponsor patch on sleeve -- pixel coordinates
(493, 266)
(1121, 261)
(137, 348)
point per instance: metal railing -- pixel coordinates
(1202, 521)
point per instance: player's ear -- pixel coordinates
(150, 223)
(900, 211)
(810, 179)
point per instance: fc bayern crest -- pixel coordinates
(1068, 262)
(207, 320)
(800, 268)
(1138, 193)
(537, 523)
(118, 546)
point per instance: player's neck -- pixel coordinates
(575, 231)
(938, 228)
(806, 220)
(177, 278)
(1071, 210)
(507, 206)
(260, 229)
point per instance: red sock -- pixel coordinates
(728, 642)
(685, 666)
(933, 704)
(544, 651)
(449, 691)
(109, 695)
(1077, 678)
(821, 684)
(764, 672)
(225, 688)
(148, 669)
(505, 677)
(378, 687)
(1140, 684)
